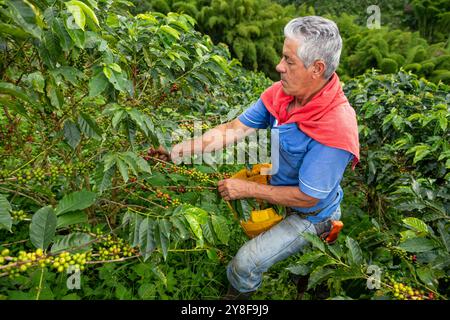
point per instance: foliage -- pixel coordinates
(252, 29)
(432, 19)
(85, 91)
(392, 12)
(389, 50)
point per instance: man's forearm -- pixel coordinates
(290, 196)
(216, 138)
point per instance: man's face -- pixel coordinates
(296, 79)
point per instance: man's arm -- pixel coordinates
(211, 140)
(291, 196)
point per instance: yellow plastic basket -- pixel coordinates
(260, 220)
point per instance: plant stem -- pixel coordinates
(40, 284)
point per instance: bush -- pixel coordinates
(388, 65)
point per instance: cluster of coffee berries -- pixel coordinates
(64, 260)
(402, 291)
(59, 263)
(178, 189)
(192, 173)
(4, 253)
(174, 88)
(153, 153)
(4, 174)
(397, 251)
(18, 215)
(191, 127)
(22, 262)
(84, 167)
(220, 175)
(24, 176)
(165, 198)
(114, 248)
(67, 170)
(39, 174)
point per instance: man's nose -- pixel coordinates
(280, 68)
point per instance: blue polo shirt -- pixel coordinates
(315, 168)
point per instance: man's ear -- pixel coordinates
(318, 69)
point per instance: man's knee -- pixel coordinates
(243, 263)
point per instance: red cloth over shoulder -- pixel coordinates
(327, 118)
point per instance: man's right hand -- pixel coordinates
(181, 150)
(160, 153)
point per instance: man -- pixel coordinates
(318, 137)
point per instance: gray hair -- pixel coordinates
(319, 40)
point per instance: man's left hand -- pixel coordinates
(231, 189)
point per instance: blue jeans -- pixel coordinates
(256, 256)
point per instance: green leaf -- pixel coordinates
(319, 275)
(143, 165)
(118, 116)
(75, 201)
(299, 269)
(315, 240)
(208, 233)
(170, 31)
(106, 180)
(221, 229)
(246, 209)
(88, 11)
(130, 159)
(195, 226)
(426, 276)
(15, 91)
(123, 168)
(71, 134)
(165, 227)
(43, 227)
(181, 227)
(342, 274)
(24, 16)
(14, 31)
(200, 214)
(135, 221)
(222, 63)
(160, 275)
(71, 218)
(418, 245)
(37, 81)
(65, 40)
(416, 224)
(309, 257)
(89, 126)
(147, 242)
(161, 241)
(445, 235)
(72, 241)
(77, 13)
(147, 291)
(77, 35)
(97, 84)
(54, 93)
(336, 250)
(355, 253)
(212, 254)
(70, 74)
(107, 72)
(5, 216)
